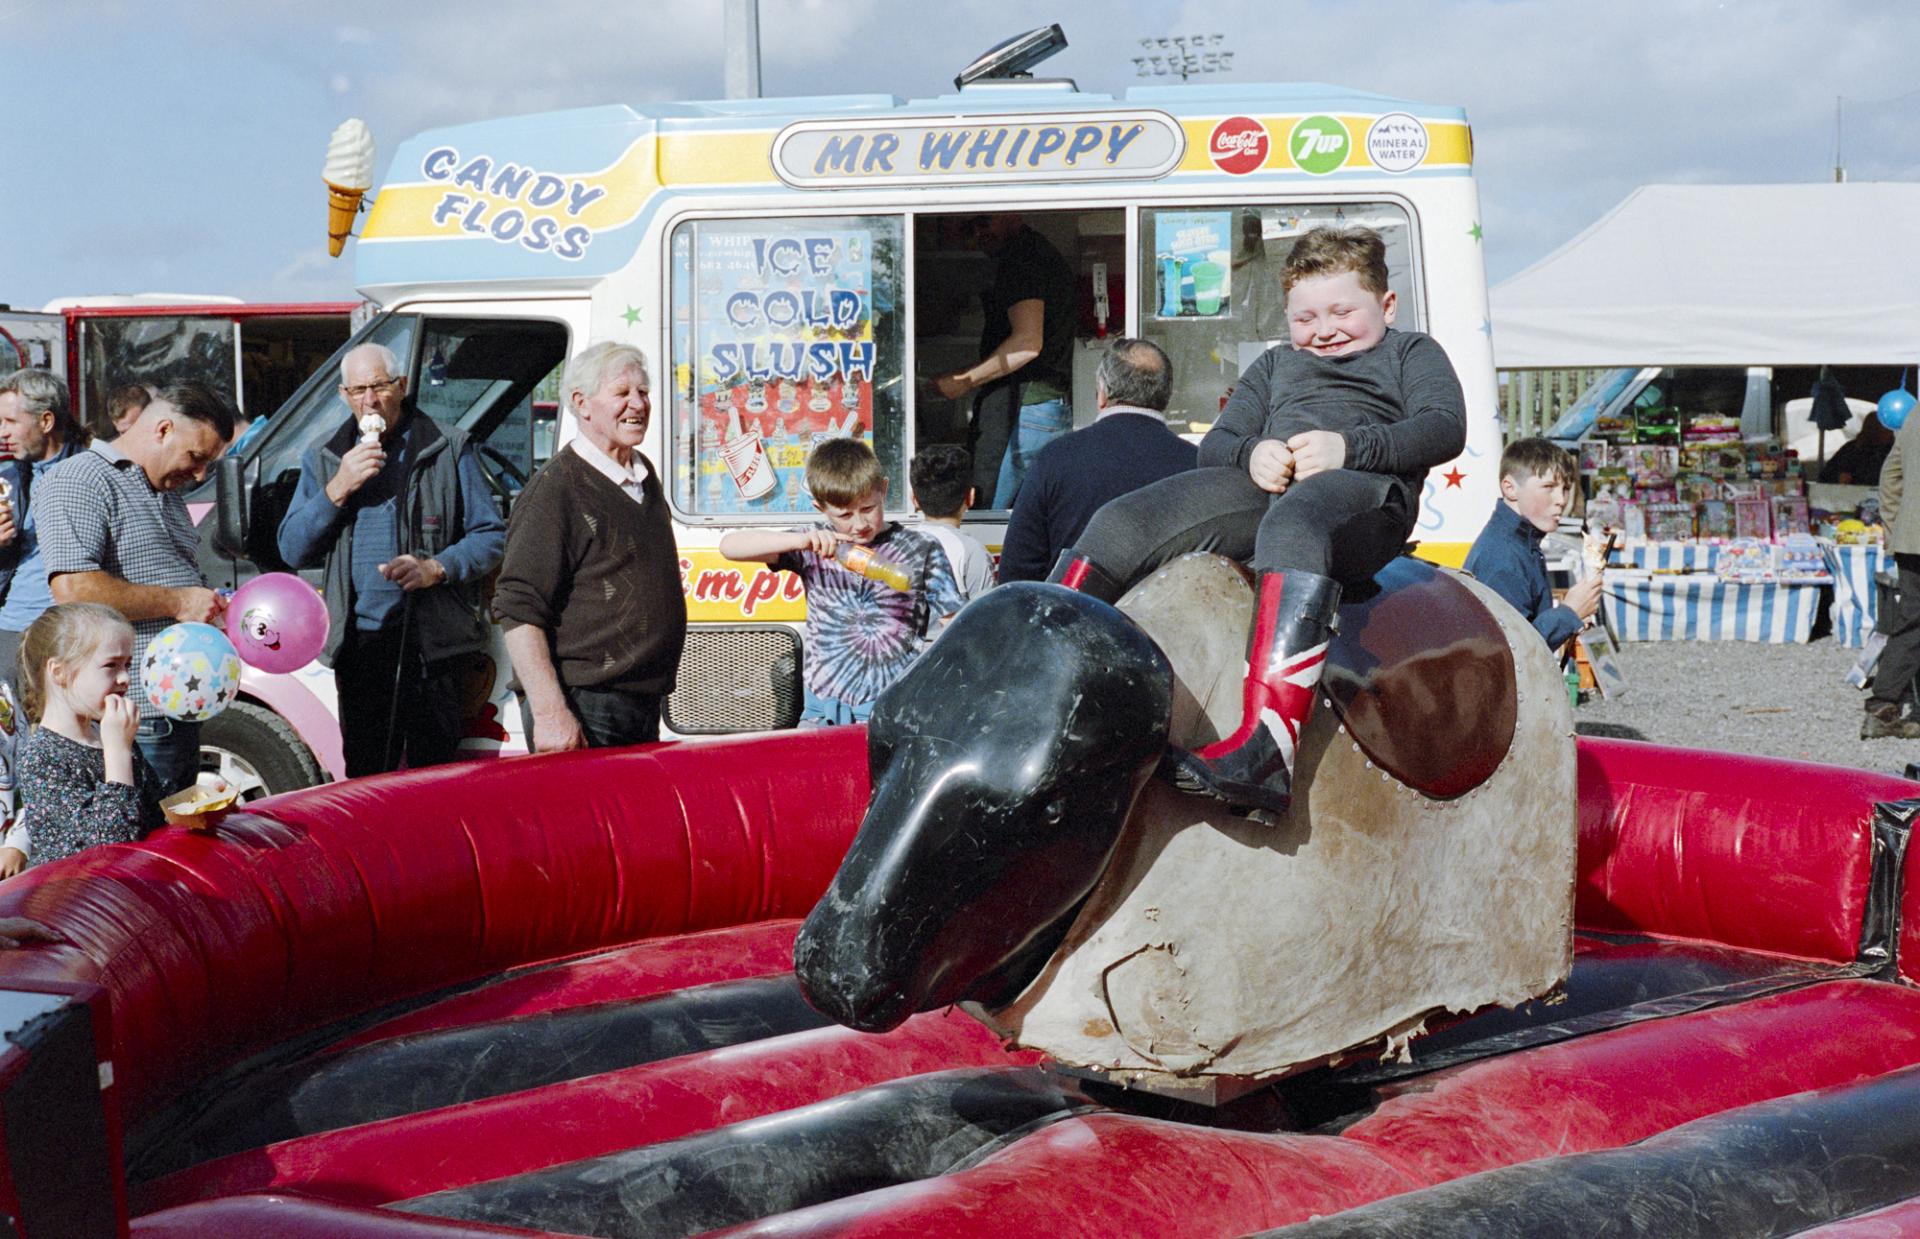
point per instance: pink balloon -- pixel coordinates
(277, 621)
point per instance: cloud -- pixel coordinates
(1573, 105)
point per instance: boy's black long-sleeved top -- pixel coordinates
(1398, 406)
(1507, 559)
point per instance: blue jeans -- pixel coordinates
(172, 748)
(830, 712)
(1038, 425)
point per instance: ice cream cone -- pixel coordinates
(342, 205)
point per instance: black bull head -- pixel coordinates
(1004, 766)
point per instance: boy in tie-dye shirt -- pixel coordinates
(862, 634)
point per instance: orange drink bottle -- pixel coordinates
(862, 560)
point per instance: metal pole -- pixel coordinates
(1839, 166)
(740, 33)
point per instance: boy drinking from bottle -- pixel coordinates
(873, 585)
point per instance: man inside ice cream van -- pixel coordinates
(1023, 383)
(397, 513)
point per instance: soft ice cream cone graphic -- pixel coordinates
(343, 204)
(349, 175)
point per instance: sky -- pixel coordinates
(177, 147)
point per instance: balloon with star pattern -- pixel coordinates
(191, 672)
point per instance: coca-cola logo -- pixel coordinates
(1239, 145)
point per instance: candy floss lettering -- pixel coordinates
(489, 196)
(1238, 145)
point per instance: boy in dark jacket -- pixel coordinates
(1535, 479)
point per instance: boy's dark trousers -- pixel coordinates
(1344, 524)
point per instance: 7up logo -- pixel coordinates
(1319, 144)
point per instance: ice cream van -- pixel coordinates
(799, 268)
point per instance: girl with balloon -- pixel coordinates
(80, 773)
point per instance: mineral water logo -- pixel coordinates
(1397, 142)
(1319, 145)
(1238, 145)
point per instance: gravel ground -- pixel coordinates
(1771, 700)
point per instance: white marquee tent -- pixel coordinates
(1718, 275)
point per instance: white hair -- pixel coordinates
(589, 368)
(381, 351)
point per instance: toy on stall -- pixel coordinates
(1604, 510)
(1753, 517)
(1801, 559)
(1613, 480)
(1614, 427)
(1660, 425)
(1650, 464)
(1746, 560)
(1697, 488)
(1851, 531)
(1716, 520)
(1670, 522)
(1790, 515)
(1714, 460)
(1595, 454)
(1711, 430)
(1633, 521)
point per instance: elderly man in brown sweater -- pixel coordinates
(589, 594)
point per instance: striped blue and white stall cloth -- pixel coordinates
(1669, 556)
(1702, 607)
(1856, 601)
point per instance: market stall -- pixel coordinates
(1720, 316)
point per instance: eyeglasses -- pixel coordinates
(364, 390)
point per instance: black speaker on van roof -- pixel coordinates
(1013, 57)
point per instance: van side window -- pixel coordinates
(474, 374)
(1210, 287)
(785, 332)
(153, 349)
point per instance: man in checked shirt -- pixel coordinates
(114, 529)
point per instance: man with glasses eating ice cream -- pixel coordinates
(397, 512)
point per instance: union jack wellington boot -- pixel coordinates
(1078, 573)
(1252, 769)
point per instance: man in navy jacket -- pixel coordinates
(1128, 446)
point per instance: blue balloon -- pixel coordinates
(1894, 407)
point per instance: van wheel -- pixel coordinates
(257, 751)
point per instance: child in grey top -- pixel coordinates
(80, 773)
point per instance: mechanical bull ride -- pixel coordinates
(1019, 857)
(556, 996)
